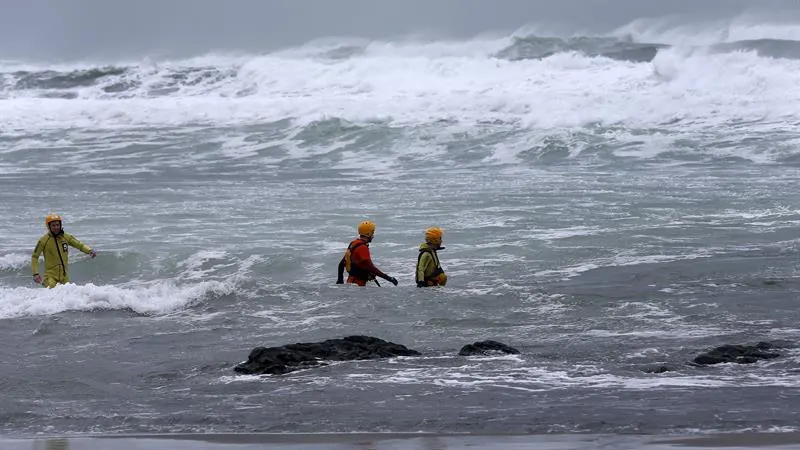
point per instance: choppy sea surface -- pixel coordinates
(610, 204)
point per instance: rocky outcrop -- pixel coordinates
(487, 348)
(291, 357)
(740, 354)
(288, 358)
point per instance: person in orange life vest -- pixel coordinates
(357, 260)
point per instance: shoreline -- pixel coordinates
(402, 441)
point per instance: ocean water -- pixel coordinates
(610, 204)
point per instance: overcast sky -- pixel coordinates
(80, 29)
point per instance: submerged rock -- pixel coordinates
(657, 369)
(288, 358)
(487, 348)
(740, 354)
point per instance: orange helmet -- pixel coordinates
(51, 218)
(366, 228)
(433, 235)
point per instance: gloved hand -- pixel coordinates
(37, 279)
(92, 253)
(392, 280)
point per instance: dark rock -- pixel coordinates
(740, 354)
(288, 358)
(656, 369)
(486, 348)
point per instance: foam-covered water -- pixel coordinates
(611, 204)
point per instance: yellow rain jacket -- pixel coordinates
(56, 257)
(429, 270)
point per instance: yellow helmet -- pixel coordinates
(366, 228)
(433, 235)
(51, 218)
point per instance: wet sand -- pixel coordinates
(400, 441)
(761, 440)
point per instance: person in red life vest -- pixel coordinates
(358, 262)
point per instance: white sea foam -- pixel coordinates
(690, 90)
(154, 298)
(14, 261)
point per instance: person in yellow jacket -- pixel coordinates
(429, 269)
(55, 245)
